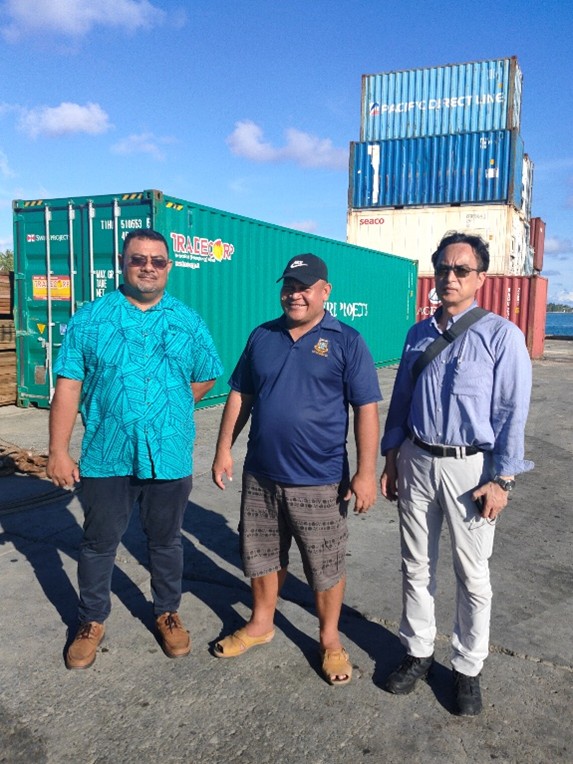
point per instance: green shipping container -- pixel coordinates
(225, 266)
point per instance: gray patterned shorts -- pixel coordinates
(272, 514)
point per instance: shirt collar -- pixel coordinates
(326, 322)
(437, 315)
(165, 303)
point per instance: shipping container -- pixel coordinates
(520, 299)
(414, 233)
(456, 98)
(467, 168)
(225, 266)
(537, 242)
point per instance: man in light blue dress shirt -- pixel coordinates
(454, 442)
(135, 362)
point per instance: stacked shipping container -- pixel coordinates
(442, 138)
(417, 230)
(440, 150)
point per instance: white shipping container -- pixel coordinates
(414, 233)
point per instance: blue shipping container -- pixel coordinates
(469, 168)
(457, 98)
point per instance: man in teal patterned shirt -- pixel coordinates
(135, 362)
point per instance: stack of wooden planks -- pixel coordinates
(7, 343)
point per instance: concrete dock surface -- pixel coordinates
(271, 705)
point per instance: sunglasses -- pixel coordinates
(460, 271)
(138, 261)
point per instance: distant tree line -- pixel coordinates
(6, 261)
(554, 307)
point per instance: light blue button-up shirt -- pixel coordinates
(474, 393)
(136, 368)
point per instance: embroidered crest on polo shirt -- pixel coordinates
(321, 348)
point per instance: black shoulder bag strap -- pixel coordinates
(441, 342)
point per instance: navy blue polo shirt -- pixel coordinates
(302, 391)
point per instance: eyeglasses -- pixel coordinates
(460, 271)
(138, 261)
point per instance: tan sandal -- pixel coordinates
(239, 642)
(336, 663)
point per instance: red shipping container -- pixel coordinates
(520, 299)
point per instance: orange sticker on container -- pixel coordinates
(59, 287)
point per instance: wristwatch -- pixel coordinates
(507, 485)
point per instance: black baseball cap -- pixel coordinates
(307, 268)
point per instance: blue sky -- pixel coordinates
(250, 106)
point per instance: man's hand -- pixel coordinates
(364, 489)
(62, 470)
(492, 499)
(389, 477)
(222, 465)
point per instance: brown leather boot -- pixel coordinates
(82, 652)
(174, 637)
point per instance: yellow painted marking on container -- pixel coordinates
(127, 197)
(174, 206)
(41, 328)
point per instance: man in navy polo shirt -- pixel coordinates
(296, 378)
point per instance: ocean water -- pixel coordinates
(559, 324)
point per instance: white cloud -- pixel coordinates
(5, 170)
(308, 226)
(142, 143)
(75, 18)
(246, 141)
(310, 151)
(64, 119)
(564, 297)
(303, 149)
(557, 247)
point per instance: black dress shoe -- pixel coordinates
(403, 680)
(468, 694)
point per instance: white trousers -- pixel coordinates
(431, 489)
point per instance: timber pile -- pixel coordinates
(6, 301)
(8, 378)
(7, 334)
(14, 459)
(8, 393)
